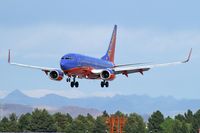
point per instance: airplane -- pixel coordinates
(75, 66)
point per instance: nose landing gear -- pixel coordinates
(68, 79)
(73, 83)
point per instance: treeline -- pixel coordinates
(42, 121)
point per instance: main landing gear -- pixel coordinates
(73, 83)
(104, 83)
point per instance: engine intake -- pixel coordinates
(56, 75)
(107, 75)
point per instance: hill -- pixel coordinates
(126, 103)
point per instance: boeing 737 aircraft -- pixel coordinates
(75, 66)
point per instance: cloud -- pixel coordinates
(69, 93)
(149, 38)
(104, 94)
(3, 93)
(51, 40)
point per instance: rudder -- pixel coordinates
(110, 54)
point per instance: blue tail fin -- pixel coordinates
(110, 54)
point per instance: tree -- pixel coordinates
(167, 125)
(100, 125)
(62, 122)
(90, 122)
(193, 120)
(177, 127)
(189, 116)
(42, 121)
(118, 113)
(186, 127)
(81, 125)
(180, 127)
(25, 123)
(180, 117)
(155, 121)
(135, 124)
(13, 124)
(196, 121)
(105, 114)
(4, 125)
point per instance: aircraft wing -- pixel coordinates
(134, 69)
(45, 69)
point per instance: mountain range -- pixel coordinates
(141, 104)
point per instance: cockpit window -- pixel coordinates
(68, 58)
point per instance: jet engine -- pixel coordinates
(107, 74)
(56, 75)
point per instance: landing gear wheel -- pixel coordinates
(72, 84)
(107, 84)
(102, 84)
(76, 84)
(68, 79)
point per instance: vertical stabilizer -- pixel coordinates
(110, 54)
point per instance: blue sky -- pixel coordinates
(40, 32)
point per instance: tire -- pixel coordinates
(107, 84)
(76, 84)
(102, 84)
(72, 84)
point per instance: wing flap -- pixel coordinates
(141, 68)
(33, 67)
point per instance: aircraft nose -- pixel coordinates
(62, 65)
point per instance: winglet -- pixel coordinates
(9, 56)
(189, 56)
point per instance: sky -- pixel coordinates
(41, 32)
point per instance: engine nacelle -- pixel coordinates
(56, 75)
(107, 74)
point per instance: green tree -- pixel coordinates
(186, 127)
(25, 123)
(4, 125)
(105, 114)
(167, 125)
(100, 125)
(177, 127)
(189, 117)
(180, 117)
(13, 124)
(90, 122)
(62, 122)
(42, 121)
(155, 121)
(196, 121)
(135, 124)
(180, 127)
(80, 125)
(118, 113)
